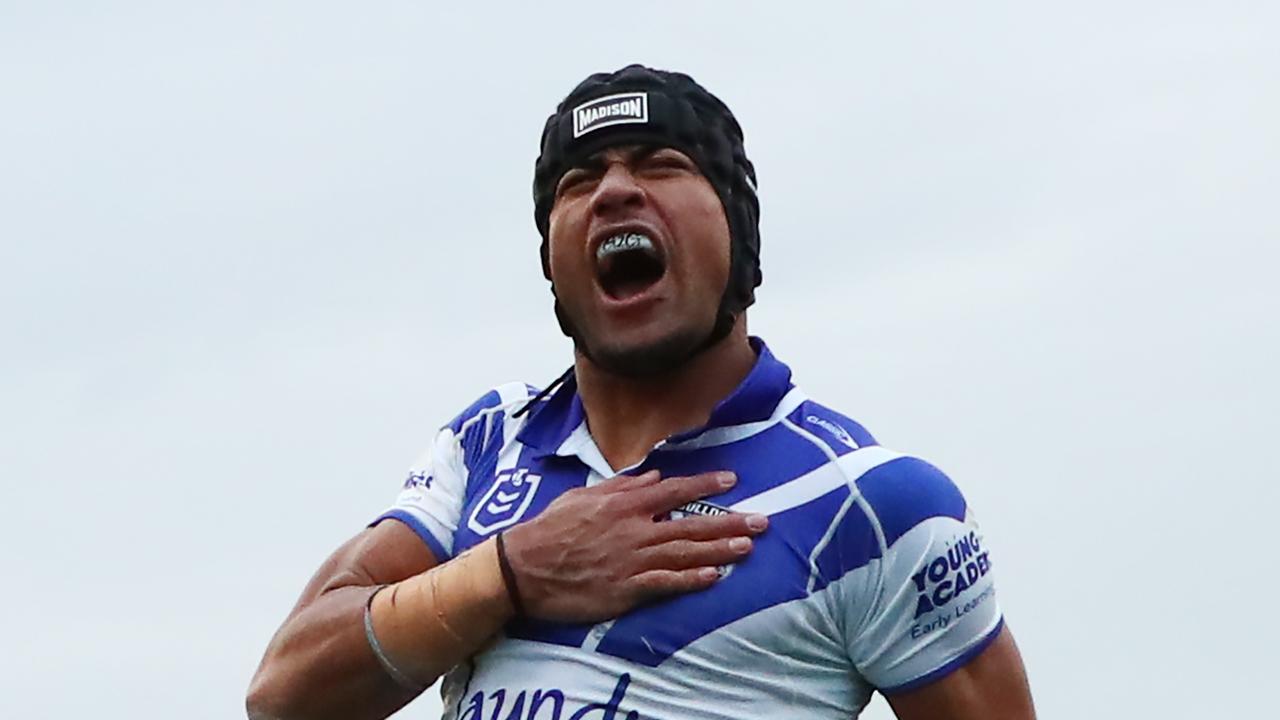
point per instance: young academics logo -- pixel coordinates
(505, 502)
(945, 577)
(617, 109)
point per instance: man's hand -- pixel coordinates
(596, 552)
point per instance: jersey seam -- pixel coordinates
(856, 496)
(850, 482)
(866, 508)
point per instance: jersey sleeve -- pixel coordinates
(431, 500)
(930, 606)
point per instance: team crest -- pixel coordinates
(696, 508)
(505, 502)
(700, 508)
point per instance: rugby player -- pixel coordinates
(672, 529)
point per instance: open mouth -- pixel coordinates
(627, 264)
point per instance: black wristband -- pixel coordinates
(509, 577)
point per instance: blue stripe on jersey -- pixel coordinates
(776, 571)
(567, 634)
(553, 419)
(481, 443)
(488, 400)
(853, 545)
(415, 525)
(764, 460)
(907, 491)
(482, 438)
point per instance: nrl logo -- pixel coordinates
(609, 110)
(505, 502)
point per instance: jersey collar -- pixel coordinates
(561, 416)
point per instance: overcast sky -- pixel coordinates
(253, 253)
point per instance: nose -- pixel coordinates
(617, 193)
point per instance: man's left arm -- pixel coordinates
(922, 621)
(992, 685)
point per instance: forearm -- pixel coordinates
(431, 622)
(320, 664)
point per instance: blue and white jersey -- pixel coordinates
(871, 575)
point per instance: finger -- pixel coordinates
(674, 492)
(654, 583)
(708, 527)
(623, 483)
(685, 554)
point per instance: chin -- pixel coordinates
(645, 358)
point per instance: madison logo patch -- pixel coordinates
(617, 109)
(505, 502)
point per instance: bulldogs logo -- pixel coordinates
(701, 508)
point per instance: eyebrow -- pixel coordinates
(595, 162)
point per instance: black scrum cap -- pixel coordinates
(639, 105)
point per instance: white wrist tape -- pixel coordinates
(396, 674)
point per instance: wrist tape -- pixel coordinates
(422, 627)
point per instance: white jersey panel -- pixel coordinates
(431, 500)
(767, 665)
(929, 607)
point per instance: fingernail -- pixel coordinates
(709, 573)
(757, 522)
(740, 544)
(728, 479)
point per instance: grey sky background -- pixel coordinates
(253, 254)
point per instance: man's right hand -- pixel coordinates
(597, 552)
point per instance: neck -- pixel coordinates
(628, 416)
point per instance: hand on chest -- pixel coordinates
(783, 565)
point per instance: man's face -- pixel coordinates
(639, 253)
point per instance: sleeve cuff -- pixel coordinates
(433, 543)
(955, 664)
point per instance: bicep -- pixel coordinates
(991, 685)
(385, 553)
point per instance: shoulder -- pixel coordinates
(836, 431)
(499, 399)
(899, 490)
(485, 426)
(903, 491)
